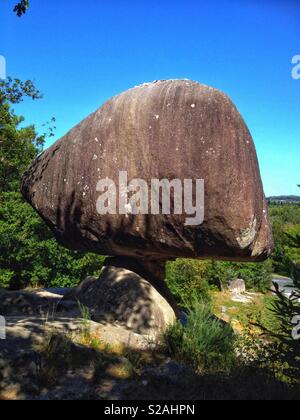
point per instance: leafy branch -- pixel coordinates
(21, 8)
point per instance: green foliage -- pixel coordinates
(287, 310)
(186, 278)
(257, 276)
(292, 251)
(285, 214)
(19, 145)
(30, 256)
(245, 315)
(205, 343)
(14, 91)
(85, 329)
(286, 223)
(21, 8)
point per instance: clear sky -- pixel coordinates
(80, 53)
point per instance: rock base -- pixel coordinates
(125, 298)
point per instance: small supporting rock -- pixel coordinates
(154, 271)
(129, 294)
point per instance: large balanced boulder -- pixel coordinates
(176, 129)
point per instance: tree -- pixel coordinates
(287, 311)
(21, 8)
(19, 145)
(29, 254)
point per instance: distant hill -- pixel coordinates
(284, 199)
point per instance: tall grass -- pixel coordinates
(85, 329)
(205, 343)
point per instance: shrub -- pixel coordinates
(257, 276)
(205, 343)
(29, 254)
(285, 219)
(287, 313)
(285, 214)
(186, 278)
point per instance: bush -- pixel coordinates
(287, 313)
(205, 343)
(186, 278)
(292, 251)
(29, 254)
(285, 220)
(257, 276)
(285, 214)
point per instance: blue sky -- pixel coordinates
(80, 53)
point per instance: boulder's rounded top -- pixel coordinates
(170, 85)
(167, 129)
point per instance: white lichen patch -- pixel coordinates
(128, 208)
(211, 151)
(247, 235)
(144, 85)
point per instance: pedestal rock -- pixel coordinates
(174, 129)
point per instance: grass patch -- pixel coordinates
(205, 343)
(243, 316)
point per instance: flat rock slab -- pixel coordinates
(241, 298)
(22, 362)
(30, 301)
(24, 333)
